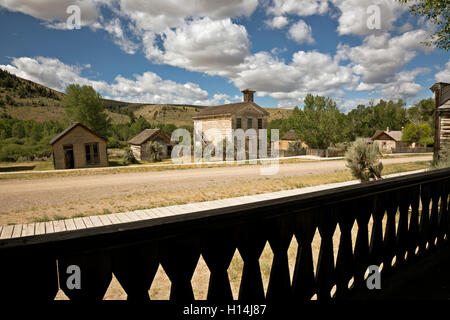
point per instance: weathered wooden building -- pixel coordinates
(387, 140)
(139, 144)
(442, 117)
(79, 147)
(242, 115)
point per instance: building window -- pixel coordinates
(238, 123)
(92, 156)
(249, 123)
(260, 124)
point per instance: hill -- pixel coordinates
(26, 100)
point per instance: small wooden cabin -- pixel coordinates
(79, 147)
(140, 143)
(387, 140)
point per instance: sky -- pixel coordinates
(204, 52)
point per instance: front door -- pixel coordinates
(68, 157)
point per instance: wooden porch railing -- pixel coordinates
(416, 207)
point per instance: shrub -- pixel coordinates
(444, 160)
(296, 148)
(363, 161)
(153, 149)
(128, 157)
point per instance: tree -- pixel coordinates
(84, 105)
(363, 160)
(422, 112)
(419, 134)
(319, 123)
(437, 12)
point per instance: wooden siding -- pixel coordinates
(78, 137)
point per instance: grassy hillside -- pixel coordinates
(25, 100)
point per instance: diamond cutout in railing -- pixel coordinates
(384, 224)
(200, 280)
(265, 264)
(160, 288)
(370, 228)
(333, 292)
(315, 247)
(336, 240)
(115, 290)
(235, 273)
(292, 256)
(354, 234)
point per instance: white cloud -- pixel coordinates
(145, 88)
(54, 10)
(380, 56)
(403, 85)
(278, 22)
(308, 72)
(158, 15)
(298, 7)
(50, 72)
(114, 28)
(444, 75)
(202, 45)
(301, 32)
(354, 15)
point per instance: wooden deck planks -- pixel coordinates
(39, 228)
(70, 225)
(105, 220)
(7, 232)
(49, 227)
(79, 223)
(96, 221)
(123, 217)
(28, 230)
(17, 231)
(87, 221)
(113, 218)
(59, 226)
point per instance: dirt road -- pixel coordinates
(28, 194)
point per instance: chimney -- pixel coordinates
(248, 95)
(387, 129)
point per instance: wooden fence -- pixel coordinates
(416, 207)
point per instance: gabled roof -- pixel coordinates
(147, 134)
(395, 135)
(73, 126)
(290, 135)
(227, 109)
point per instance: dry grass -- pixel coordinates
(139, 201)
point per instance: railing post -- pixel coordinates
(179, 257)
(325, 264)
(135, 268)
(280, 235)
(217, 250)
(304, 282)
(95, 274)
(251, 244)
(344, 262)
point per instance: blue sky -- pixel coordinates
(206, 51)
